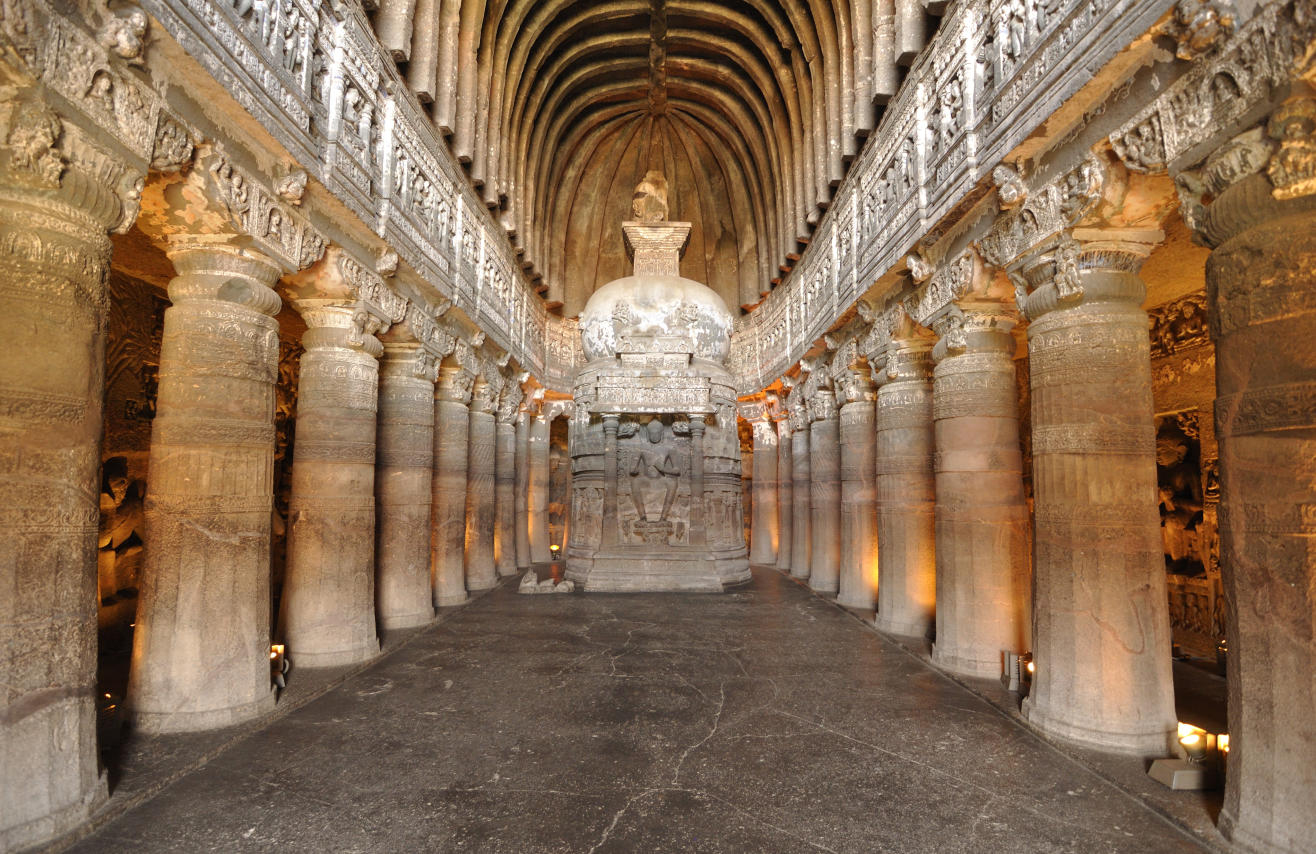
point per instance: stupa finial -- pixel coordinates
(649, 203)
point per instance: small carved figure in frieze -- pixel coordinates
(655, 471)
(1180, 488)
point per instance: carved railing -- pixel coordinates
(993, 73)
(316, 78)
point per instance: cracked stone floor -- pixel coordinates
(765, 720)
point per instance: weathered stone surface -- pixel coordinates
(857, 583)
(824, 493)
(801, 491)
(481, 572)
(505, 492)
(537, 488)
(522, 521)
(785, 495)
(763, 531)
(981, 519)
(201, 649)
(1101, 626)
(452, 428)
(404, 469)
(327, 618)
(906, 494)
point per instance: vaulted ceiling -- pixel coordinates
(559, 107)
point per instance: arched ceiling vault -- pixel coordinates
(750, 107)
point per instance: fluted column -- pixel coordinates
(505, 485)
(201, 648)
(857, 583)
(481, 573)
(452, 427)
(825, 492)
(981, 517)
(763, 513)
(327, 617)
(404, 468)
(698, 504)
(1263, 320)
(906, 492)
(538, 488)
(785, 494)
(1101, 627)
(54, 253)
(522, 521)
(801, 489)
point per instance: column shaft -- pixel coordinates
(763, 513)
(785, 496)
(452, 428)
(328, 609)
(608, 535)
(906, 497)
(1263, 306)
(698, 504)
(201, 648)
(801, 498)
(981, 517)
(825, 494)
(481, 573)
(522, 520)
(404, 468)
(1101, 627)
(505, 498)
(857, 584)
(538, 497)
(52, 293)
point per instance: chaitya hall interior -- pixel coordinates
(658, 425)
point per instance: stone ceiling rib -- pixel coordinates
(770, 96)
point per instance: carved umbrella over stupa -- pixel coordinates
(656, 495)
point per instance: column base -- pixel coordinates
(863, 604)
(963, 665)
(903, 628)
(1151, 744)
(507, 572)
(800, 573)
(451, 601)
(165, 723)
(406, 621)
(335, 658)
(825, 590)
(53, 825)
(480, 587)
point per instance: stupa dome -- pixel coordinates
(647, 307)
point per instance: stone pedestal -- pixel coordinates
(981, 517)
(801, 491)
(522, 521)
(201, 648)
(54, 251)
(404, 468)
(505, 494)
(1263, 319)
(452, 428)
(481, 573)
(1101, 627)
(327, 617)
(537, 497)
(785, 496)
(825, 493)
(906, 493)
(857, 583)
(763, 512)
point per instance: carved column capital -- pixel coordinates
(1058, 275)
(484, 397)
(455, 384)
(822, 405)
(974, 327)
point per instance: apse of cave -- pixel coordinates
(663, 425)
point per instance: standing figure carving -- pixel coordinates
(654, 471)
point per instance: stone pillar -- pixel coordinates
(201, 648)
(1101, 626)
(538, 493)
(608, 533)
(480, 571)
(857, 583)
(1263, 320)
(801, 489)
(404, 468)
(505, 484)
(981, 516)
(54, 253)
(785, 495)
(825, 492)
(906, 492)
(452, 429)
(698, 506)
(327, 617)
(522, 520)
(763, 513)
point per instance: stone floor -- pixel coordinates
(766, 720)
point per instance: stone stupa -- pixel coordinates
(656, 492)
